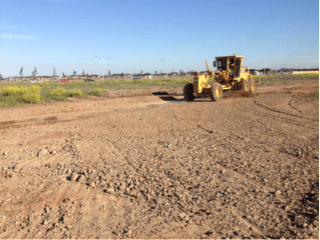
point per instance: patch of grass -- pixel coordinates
(74, 93)
(9, 101)
(284, 77)
(57, 92)
(95, 92)
(313, 95)
(19, 95)
(31, 97)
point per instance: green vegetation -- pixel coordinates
(313, 95)
(19, 95)
(268, 80)
(12, 94)
(96, 92)
(286, 77)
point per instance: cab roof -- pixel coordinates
(234, 55)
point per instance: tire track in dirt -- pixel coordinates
(279, 118)
(285, 113)
(291, 105)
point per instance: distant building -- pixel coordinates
(173, 74)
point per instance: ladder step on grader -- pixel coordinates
(230, 75)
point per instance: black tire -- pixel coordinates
(216, 92)
(252, 86)
(245, 86)
(236, 85)
(188, 92)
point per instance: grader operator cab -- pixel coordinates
(230, 75)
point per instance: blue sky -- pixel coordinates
(138, 35)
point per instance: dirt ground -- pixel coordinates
(155, 166)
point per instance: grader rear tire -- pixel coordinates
(216, 92)
(188, 92)
(252, 86)
(245, 86)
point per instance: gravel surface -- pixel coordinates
(245, 167)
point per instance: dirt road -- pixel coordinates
(159, 167)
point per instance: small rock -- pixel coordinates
(277, 193)
(74, 176)
(53, 152)
(92, 184)
(47, 210)
(42, 152)
(109, 190)
(5, 153)
(81, 179)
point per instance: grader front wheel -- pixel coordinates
(245, 86)
(216, 92)
(252, 86)
(188, 92)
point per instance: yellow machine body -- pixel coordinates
(230, 74)
(201, 84)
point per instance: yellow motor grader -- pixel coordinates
(230, 75)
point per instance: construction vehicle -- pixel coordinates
(230, 75)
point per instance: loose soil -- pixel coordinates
(155, 166)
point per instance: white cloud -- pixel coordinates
(15, 36)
